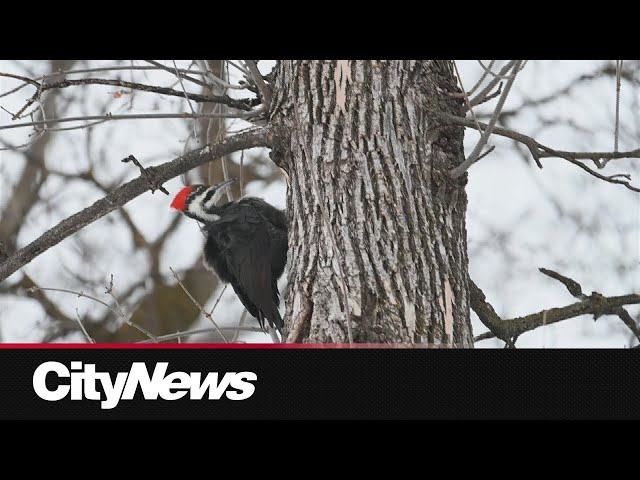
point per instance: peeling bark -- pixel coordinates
(370, 206)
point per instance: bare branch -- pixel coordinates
(587, 77)
(610, 178)
(489, 97)
(127, 318)
(617, 127)
(173, 336)
(184, 90)
(629, 322)
(261, 137)
(210, 77)
(466, 96)
(238, 67)
(20, 77)
(596, 304)
(243, 316)
(242, 104)
(79, 294)
(473, 157)
(14, 90)
(115, 68)
(539, 150)
(77, 127)
(273, 334)
(87, 336)
(263, 88)
(147, 176)
(218, 299)
(481, 79)
(172, 71)
(574, 287)
(141, 116)
(116, 310)
(576, 290)
(500, 75)
(197, 304)
(494, 81)
(36, 136)
(488, 315)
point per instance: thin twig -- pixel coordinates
(7, 111)
(36, 137)
(487, 152)
(210, 77)
(576, 290)
(78, 127)
(127, 318)
(607, 178)
(574, 287)
(240, 104)
(500, 76)
(539, 150)
(466, 97)
(629, 322)
(87, 336)
(241, 173)
(243, 316)
(273, 334)
(484, 75)
(171, 70)
(225, 176)
(224, 159)
(492, 83)
(20, 77)
(473, 157)
(197, 304)
(153, 183)
(14, 90)
(218, 299)
(173, 336)
(263, 88)
(238, 67)
(115, 68)
(79, 294)
(486, 98)
(617, 129)
(141, 116)
(566, 90)
(186, 96)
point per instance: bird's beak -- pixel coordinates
(222, 187)
(219, 190)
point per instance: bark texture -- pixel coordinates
(377, 237)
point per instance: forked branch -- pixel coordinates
(261, 137)
(595, 304)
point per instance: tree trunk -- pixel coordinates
(374, 218)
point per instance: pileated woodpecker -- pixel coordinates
(246, 245)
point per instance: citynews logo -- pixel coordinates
(83, 380)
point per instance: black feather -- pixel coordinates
(247, 247)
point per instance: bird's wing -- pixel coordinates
(249, 263)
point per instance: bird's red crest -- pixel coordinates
(181, 198)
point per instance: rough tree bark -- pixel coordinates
(372, 211)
